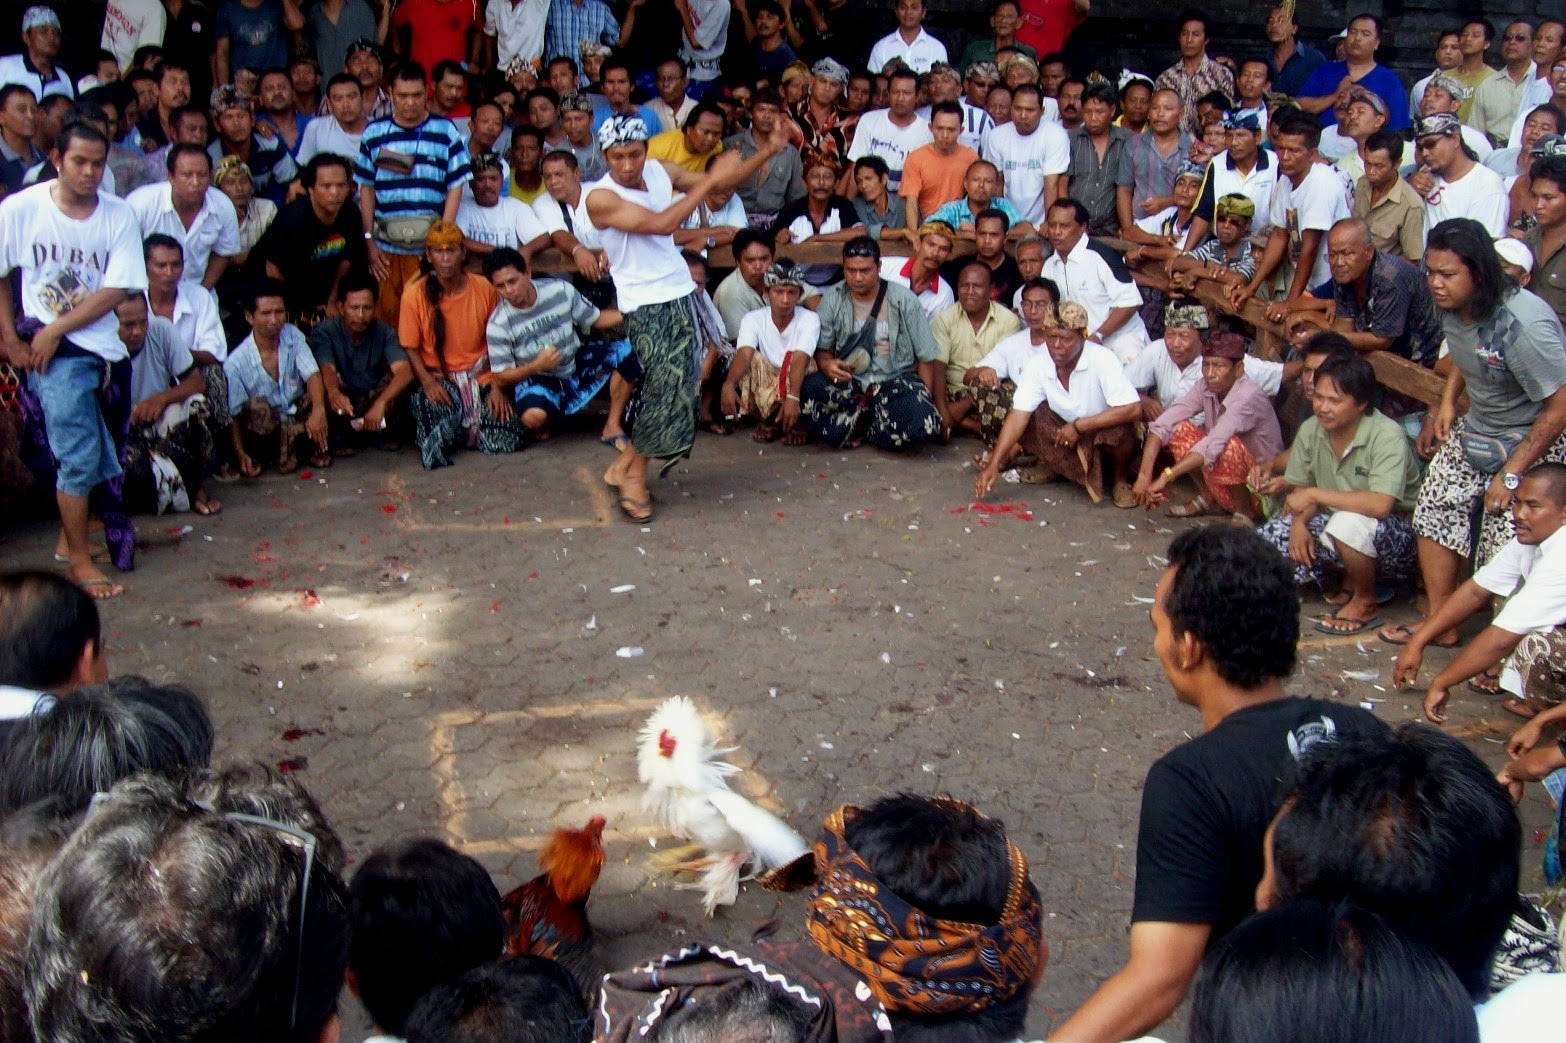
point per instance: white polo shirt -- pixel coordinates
(1096, 277)
(1098, 382)
(15, 68)
(1533, 580)
(924, 52)
(1257, 186)
(1011, 356)
(1154, 370)
(215, 229)
(197, 322)
(757, 330)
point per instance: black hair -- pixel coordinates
(563, 59)
(79, 131)
(524, 999)
(10, 90)
(1235, 594)
(262, 286)
(1327, 342)
(1375, 21)
(700, 109)
(146, 56)
(1217, 99)
(564, 155)
(945, 108)
(1301, 124)
(863, 246)
(1473, 246)
(1028, 88)
(29, 839)
(745, 238)
(446, 67)
(275, 70)
(1038, 282)
(1485, 23)
(103, 733)
(991, 213)
(526, 130)
(616, 62)
(312, 169)
(549, 94)
(180, 112)
(1556, 116)
(1079, 213)
(1411, 825)
(1191, 14)
(422, 913)
(160, 241)
(1388, 141)
(1315, 972)
(408, 72)
(875, 164)
(692, 257)
(1549, 168)
(974, 264)
(1100, 92)
(950, 862)
(343, 78)
(357, 280)
(902, 72)
(208, 904)
(504, 257)
(1054, 58)
(1137, 82)
(770, 6)
(1553, 475)
(46, 623)
(185, 148)
(1353, 374)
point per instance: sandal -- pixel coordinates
(1403, 633)
(1519, 708)
(1196, 508)
(101, 588)
(1124, 498)
(1346, 627)
(627, 505)
(616, 442)
(1488, 683)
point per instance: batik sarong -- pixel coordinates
(764, 386)
(1082, 463)
(466, 422)
(1393, 543)
(166, 462)
(991, 407)
(1451, 494)
(1230, 471)
(596, 361)
(1540, 662)
(895, 414)
(664, 338)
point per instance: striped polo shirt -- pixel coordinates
(411, 168)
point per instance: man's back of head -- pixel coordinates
(975, 949)
(525, 999)
(1412, 826)
(50, 637)
(422, 913)
(200, 913)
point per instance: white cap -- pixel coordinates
(1515, 252)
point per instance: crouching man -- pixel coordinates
(276, 394)
(773, 353)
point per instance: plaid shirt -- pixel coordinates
(248, 379)
(571, 23)
(1397, 305)
(1209, 77)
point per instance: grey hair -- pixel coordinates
(745, 1012)
(28, 840)
(1030, 239)
(100, 734)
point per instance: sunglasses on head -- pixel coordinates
(859, 250)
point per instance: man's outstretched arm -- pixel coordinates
(1132, 1002)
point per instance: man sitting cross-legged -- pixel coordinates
(1239, 429)
(1069, 410)
(276, 394)
(541, 369)
(773, 352)
(877, 362)
(993, 379)
(365, 371)
(966, 332)
(1351, 483)
(169, 453)
(1525, 637)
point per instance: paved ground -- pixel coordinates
(446, 653)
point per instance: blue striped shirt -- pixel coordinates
(571, 23)
(439, 160)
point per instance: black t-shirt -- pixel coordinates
(1207, 804)
(307, 251)
(189, 40)
(1004, 278)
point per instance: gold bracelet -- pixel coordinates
(1168, 473)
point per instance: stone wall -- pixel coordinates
(1140, 35)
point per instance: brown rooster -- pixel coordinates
(547, 916)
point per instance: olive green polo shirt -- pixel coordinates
(1379, 460)
(1397, 222)
(1548, 279)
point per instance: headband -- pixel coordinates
(621, 130)
(1370, 98)
(1443, 124)
(363, 45)
(1189, 169)
(784, 273)
(1242, 119)
(1224, 344)
(443, 233)
(1459, 90)
(1234, 205)
(227, 167)
(828, 69)
(1072, 315)
(984, 70)
(39, 17)
(571, 101)
(227, 98)
(1185, 316)
(1548, 145)
(910, 960)
(1127, 78)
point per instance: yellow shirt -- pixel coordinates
(670, 145)
(960, 346)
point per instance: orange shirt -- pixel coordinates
(933, 179)
(466, 314)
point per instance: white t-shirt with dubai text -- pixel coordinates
(1316, 205)
(877, 135)
(65, 261)
(1025, 160)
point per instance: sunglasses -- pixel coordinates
(295, 838)
(859, 250)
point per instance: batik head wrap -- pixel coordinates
(621, 130)
(912, 961)
(829, 69)
(785, 273)
(1242, 119)
(1459, 90)
(228, 97)
(1128, 77)
(1440, 124)
(1548, 145)
(937, 228)
(39, 17)
(1224, 344)
(1019, 59)
(1370, 98)
(1072, 315)
(443, 233)
(811, 158)
(1234, 204)
(1185, 316)
(571, 101)
(1189, 169)
(363, 45)
(227, 167)
(983, 71)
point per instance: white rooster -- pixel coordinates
(688, 795)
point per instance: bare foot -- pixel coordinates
(206, 504)
(798, 436)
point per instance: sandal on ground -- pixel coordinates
(1343, 626)
(1487, 683)
(100, 556)
(100, 588)
(1194, 508)
(616, 442)
(1518, 708)
(1124, 498)
(1403, 633)
(628, 505)
(1383, 595)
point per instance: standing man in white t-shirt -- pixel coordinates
(80, 255)
(704, 31)
(1030, 154)
(1451, 181)
(636, 215)
(916, 48)
(130, 24)
(514, 35)
(1308, 199)
(890, 133)
(774, 350)
(341, 131)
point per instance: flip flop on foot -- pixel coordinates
(1195, 508)
(639, 511)
(1403, 633)
(716, 427)
(1124, 498)
(616, 442)
(1344, 626)
(1486, 683)
(100, 588)
(1519, 708)
(100, 556)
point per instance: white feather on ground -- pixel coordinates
(689, 795)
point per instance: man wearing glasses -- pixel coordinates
(1501, 93)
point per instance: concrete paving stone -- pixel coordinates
(461, 589)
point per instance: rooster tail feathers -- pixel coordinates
(772, 842)
(675, 752)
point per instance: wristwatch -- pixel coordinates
(1510, 481)
(711, 242)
